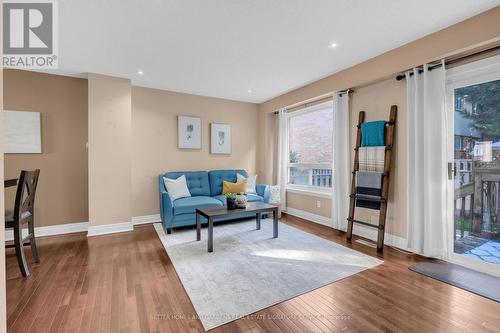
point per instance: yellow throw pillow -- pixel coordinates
(239, 187)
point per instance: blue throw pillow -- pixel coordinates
(373, 133)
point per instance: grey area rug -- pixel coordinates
(476, 282)
(249, 270)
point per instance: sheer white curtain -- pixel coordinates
(427, 151)
(282, 155)
(341, 161)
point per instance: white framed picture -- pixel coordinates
(189, 132)
(22, 132)
(220, 138)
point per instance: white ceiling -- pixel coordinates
(223, 48)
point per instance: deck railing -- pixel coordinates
(310, 174)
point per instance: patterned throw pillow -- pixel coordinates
(274, 195)
(251, 182)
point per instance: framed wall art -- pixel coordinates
(220, 138)
(189, 132)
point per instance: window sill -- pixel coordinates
(310, 191)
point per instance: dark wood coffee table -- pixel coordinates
(217, 212)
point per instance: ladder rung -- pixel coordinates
(384, 174)
(388, 147)
(387, 122)
(366, 223)
(380, 199)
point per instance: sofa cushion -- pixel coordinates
(189, 205)
(222, 199)
(254, 198)
(251, 182)
(217, 177)
(197, 181)
(250, 198)
(177, 188)
(238, 187)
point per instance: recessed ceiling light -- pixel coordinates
(332, 45)
(140, 72)
(249, 91)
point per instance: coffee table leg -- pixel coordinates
(210, 235)
(275, 223)
(198, 227)
(257, 218)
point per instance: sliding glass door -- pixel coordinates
(474, 102)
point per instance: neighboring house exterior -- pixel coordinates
(475, 164)
(465, 138)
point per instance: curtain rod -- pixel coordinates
(319, 101)
(347, 91)
(452, 61)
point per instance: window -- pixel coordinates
(475, 188)
(458, 142)
(310, 139)
(459, 104)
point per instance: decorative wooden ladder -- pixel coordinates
(390, 128)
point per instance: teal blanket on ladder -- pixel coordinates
(373, 133)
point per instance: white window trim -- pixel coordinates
(309, 109)
(309, 165)
(476, 72)
(317, 191)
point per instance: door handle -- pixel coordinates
(451, 171)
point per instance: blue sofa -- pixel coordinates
(206, 191)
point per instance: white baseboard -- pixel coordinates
(68, 228)
(51, 230)
(358, 230)
(122, 227)
(372, 233)
(326, 221)
(145, 219)
(97, 230)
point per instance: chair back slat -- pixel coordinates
(25, 194)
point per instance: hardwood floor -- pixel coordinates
(126, 283)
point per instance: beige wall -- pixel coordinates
(309, 203)
(110, 140)
(154, 144)
(62, 101)
(375, 90)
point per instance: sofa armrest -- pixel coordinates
(166, 209)
(263, 191)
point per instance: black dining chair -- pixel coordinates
(24, 210)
